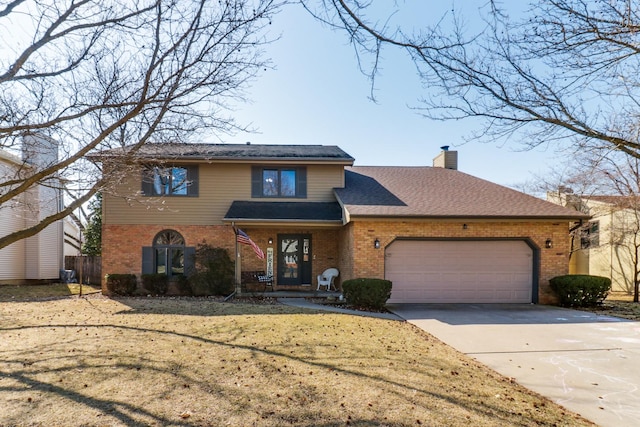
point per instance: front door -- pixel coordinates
(294, 259)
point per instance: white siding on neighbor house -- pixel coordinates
(71, 238)
(44, 254)
(12, 256)
(39, 256)
(44, 250)
(11, 220)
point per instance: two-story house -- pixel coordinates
(39, 257)
(609, 243)
(438, 234)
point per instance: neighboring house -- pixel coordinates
(40, 257)
(609, 243)
(72, 241)
(438, 234)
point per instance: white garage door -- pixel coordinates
(460, 271)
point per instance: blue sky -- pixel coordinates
(317, 95)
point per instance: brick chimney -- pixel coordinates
(446, 159)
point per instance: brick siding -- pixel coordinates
(122, 246)
(349, 248)
(369, 262)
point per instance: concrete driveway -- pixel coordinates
(588, 363)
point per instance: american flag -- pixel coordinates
(243, 239)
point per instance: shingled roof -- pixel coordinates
(284, 211)
(382, 191)
(623, 202)
(183, 151)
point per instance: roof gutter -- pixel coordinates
(469, 217)
(280, 222)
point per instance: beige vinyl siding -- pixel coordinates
(321, 180)
(220, 184)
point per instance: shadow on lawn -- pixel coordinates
(130, 414)
(111, 408)
(203, 306)
(37, 292)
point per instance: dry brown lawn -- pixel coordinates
(96, 361)
(618, 305)
(40, 292)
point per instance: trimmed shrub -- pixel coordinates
(580, 290)
(367, 293)
(156, 283)
(121, 284)
(184, 288)
(214, 272)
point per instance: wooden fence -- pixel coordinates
(89, 267)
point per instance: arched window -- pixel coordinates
(168, 246)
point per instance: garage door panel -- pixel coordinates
(460, 271)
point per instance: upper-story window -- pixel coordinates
(279, 182)
(590, 235)
(170, 181)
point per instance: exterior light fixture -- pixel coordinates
(548, 244)
(271, 240)
(376, 244)
(465, 226)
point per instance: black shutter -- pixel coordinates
(148, 263)
(256, 181)
(193, 178)
(301, 182)
(189, 260)
(147, 181)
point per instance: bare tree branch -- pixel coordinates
(95, 75)
(565, 72)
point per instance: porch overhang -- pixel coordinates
(308, 214)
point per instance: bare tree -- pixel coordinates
(565, 72)
(79, 76)
(605, 185)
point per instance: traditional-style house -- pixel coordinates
(438, 234)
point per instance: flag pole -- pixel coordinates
(238, 261)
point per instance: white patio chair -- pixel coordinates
(327, 277)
